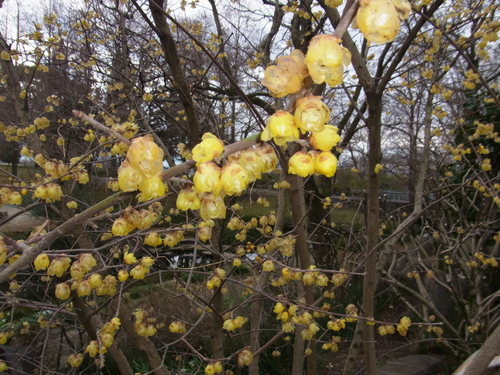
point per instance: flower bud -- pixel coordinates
(204, 234)
(123, 276)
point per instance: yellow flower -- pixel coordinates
(326, 59)
(245, 357)
(153, 239)
(75, 359)
(95, 280)
(326, 139)
(325, 163)
(207, 176)
(188, 200)
(129, 178)
(204, 234)
(268, 266)
(208, 149)
(121, 227)
(152, 188)
(379, 20)
(287, 76)
(213, 368)
(311, 114)
(301, 163)
(378, 168)
(41, 262)
(146, 156)
(251, 161)
(83, 289)
(92, 348)
(123, 275)
(177, 327)
(233, 179)
(212, 207)
(63, 291)
(268, 156)
(404, 325)
(58, 266)
(129, 258)
(281, 128)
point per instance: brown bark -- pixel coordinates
(370, 280)
(216, 332)
(143, 344)
(256, 307)
(92, 324)
(302, 252)
(179, 79)
(482, 358)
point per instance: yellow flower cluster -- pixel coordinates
(285, 315)
(336, 324)
(403, 325)
(339, 278)
(142, 169)
(58, 266)
(134, 219)
(287, 76)
(177, 327)
(216, 280)
(379, 20)
(9, 196)
(386, 329)
(232, 325)
(212, 183)
(140, 270)
(106, 339)
(333, 344)
(50, 193)
(213, 368)
(143, 323)
(57, 168)
(314, 278)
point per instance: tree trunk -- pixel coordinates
(302, 252)
(372, 227)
